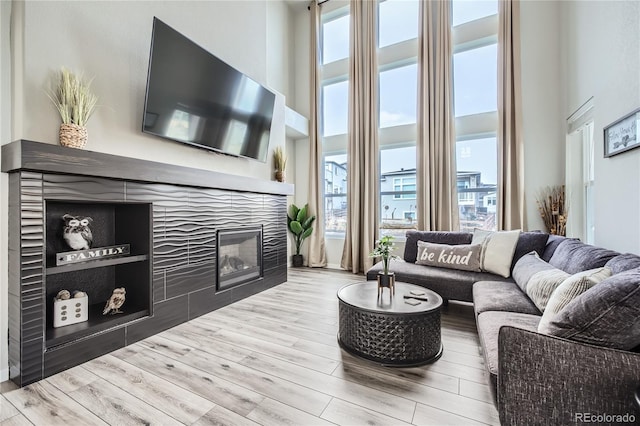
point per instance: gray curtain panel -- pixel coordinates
(363, 145)
(317, 253)
(510, 209)
(437, 198)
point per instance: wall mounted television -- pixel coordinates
(197, 99)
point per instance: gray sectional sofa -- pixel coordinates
(587, 366)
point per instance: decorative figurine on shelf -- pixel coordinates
(76, 232)
(115, 302)
(63, 295)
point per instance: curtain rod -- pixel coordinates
(319, 3)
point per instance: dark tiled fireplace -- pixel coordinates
(169, 217)
(239, 256)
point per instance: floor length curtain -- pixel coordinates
(436, 187)
(317, 253)
(510, 208)
(362, 150)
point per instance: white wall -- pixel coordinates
(602, 48)
(110, 40)
(542, 102)
(5, 134)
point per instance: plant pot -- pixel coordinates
(73, 136)
(280, 176)
(386, 281)
(297, 260)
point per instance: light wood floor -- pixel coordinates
(271, 359)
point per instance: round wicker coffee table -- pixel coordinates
(388, 330)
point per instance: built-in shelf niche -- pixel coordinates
(112, 224)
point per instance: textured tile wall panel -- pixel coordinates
(159, 286)
(166, 314)
(190, 278)
(82, 188)
(184, 233)
(67, 356)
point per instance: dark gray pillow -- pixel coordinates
(438, 237)
(624, 262)
(528, 242)
(574, 256)
(552, 244)
(526, 267)
(607, 315)
(464, 257)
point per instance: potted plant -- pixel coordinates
(280, 162)
(299, 223)
(383, 249)
(75, 102)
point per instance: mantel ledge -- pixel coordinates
(24, 155)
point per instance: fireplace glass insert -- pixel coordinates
(239, 256)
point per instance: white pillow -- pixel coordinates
(497, 250)
(542, 284)
(571, 288)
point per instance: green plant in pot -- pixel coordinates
(384, 249)
(299, 223)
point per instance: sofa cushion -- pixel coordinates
(552, 244)
(448, 283)
(543, 284)
(526, 267)
(608, 314)
(465, 257)
(571, 288)
(528, 242)
(574, 256)
(411, 243)
(497, 250)
(623, 262)
(489, 324)
(501, 296)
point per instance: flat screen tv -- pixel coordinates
(195, 98)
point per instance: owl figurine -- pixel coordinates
(115, 302)
(76, 232)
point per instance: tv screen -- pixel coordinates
(195, 98)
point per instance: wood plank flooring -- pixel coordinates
(271, 359)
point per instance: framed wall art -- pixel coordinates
(622, 135)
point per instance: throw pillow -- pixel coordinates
(574, 256)
(608, 314)
(439, 237)
(542, 284)
(497, 250)
(528, 242)
(463, 257)
(526, 267)
(571, 288)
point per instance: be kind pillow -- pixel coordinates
(497, 250)
(464, 257)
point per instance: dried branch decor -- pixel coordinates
(553, 209)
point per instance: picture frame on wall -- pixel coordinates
(622, 135)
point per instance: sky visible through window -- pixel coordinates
(475, 91)
(398, 21)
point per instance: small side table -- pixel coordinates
(388, 330)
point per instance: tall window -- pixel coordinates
(475, 29)
(475, 26)
(335, 115)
